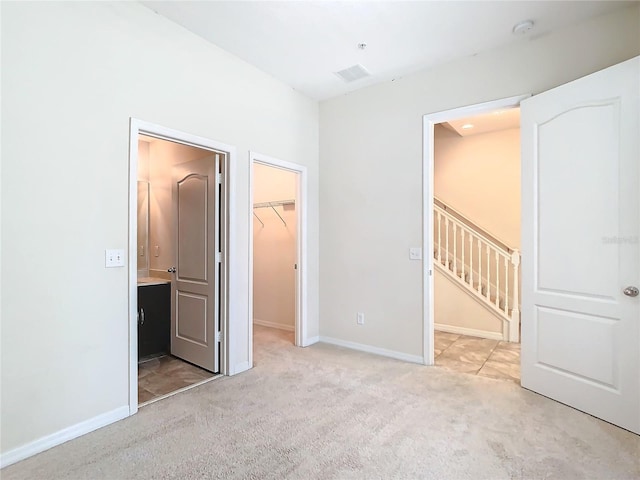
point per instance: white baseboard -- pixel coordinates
(375, 350)
(239, 368)
(62, 436)
(310, 341)
(468, 331)
(279, 326)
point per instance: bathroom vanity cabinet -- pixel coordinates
(154, 319)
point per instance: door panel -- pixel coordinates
(192, 227)
(191, 318)
(581, 211)
(195, 287)
(564, 149)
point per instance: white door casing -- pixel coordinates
(301, 334)
(428, 159)
(196, 284)
(580, 228)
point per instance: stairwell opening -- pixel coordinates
(476, 238)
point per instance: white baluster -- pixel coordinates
(514, 324)
(471, 260)
(455, 248)
(480, 266)
(462, 246)
(488, 295)
(446, 246)
(496, 253)
(439, 236)
(506, 285)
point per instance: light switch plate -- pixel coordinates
(113, 258)
(415, 253)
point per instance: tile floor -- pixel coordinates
(478, 356)
(162, 375)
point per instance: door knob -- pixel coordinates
(171, 270)
(631, 291)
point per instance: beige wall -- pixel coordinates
(371, 170)
(458, 312)
(143, 161)
(479, 176)
(73, 73)
(274, 249)
(143, 209)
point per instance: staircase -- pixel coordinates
(480, 264)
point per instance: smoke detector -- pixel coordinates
(523, 27)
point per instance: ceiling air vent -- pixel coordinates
(354, 73)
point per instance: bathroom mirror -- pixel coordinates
(143, 229)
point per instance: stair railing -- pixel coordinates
(491, 272)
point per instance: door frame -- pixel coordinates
(301, 339)
(428, 125)
(228, 283)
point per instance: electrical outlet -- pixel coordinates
(360, 318)
(415, 253)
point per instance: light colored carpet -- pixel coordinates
(325, 412)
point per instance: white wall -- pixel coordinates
(72, 75)
(479, 176)
(274, 249)
(371, 170)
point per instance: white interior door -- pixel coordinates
(195, 286)
(580, 251)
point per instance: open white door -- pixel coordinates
(195, 285)
(580, 250)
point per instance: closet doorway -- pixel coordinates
(277, 261)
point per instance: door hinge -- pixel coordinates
(219, 178)
(219, 257)
(218, 337)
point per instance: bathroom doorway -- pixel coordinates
(179, 265)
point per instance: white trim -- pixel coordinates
(428, 124)
(279, 326)
(180, 390)
(374, 350)
(468, 331)
(228, 349)
(301, 240)
(62, 436)
(311, 341)
(240, 367)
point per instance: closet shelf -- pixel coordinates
(272, 205)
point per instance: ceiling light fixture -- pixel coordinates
(467, 126)
(523, 27)
(362, 46)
